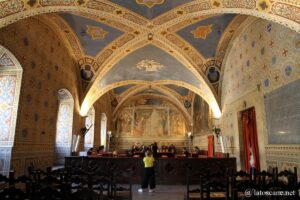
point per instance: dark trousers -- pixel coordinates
(148, 178)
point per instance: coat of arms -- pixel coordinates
(96, 32)
(202, 31)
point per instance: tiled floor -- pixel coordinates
(162, 192)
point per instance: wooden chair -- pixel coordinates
(9, 191)
(122, 185)
(242, 185)
(192, 190)
(214, 186)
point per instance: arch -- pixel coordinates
(277, 11)
(170, 98)
(208, 97)
(89, 136)
(64, 124)
(103, 131)
(10, 85)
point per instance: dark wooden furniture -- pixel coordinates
(168, 170)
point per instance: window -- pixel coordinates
(64, 125)
(103, 131)
(10, 84)
(89, 136)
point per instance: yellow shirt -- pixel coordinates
(149, 161)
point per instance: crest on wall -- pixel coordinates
(149, 65)
(96, 32)
(150, 3)
(202, 31)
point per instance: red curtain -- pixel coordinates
(250, 139)
(210, 148)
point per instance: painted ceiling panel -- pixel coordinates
(150, 91)
(150, 8)
(150, 64)
(120, 90)
(180, 90)
(93, 35)
(205, 35)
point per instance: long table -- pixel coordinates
(167, 170)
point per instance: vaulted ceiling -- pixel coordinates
(148, 48)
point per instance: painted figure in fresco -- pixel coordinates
(139, 127)
(125, 122)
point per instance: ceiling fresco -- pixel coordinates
(150, 91)
(120, 90)
(205, 35)
(93, 35)
(149, 63)
(180, 90)
(150, 8)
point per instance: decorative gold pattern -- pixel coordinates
(150, 3)
(96, 32)
(202, 31)
(149, 66)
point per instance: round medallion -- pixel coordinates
(87, 73)
(187, 104)
(213, 74)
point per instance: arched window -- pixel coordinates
(64, 125)
(10, 84)
(103, 130)
(89, 136)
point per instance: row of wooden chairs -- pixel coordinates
(230, 185)
(67, 184)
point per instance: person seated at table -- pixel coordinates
(143, 149)
(100, 149)
(171, 148)
(185, 152)
(90, 151)
(134, 149)
(154, 148)
(196, 150)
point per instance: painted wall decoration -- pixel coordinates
(126, 68)
(125, 122)
(202, 31)
(263, 58)
(202, 116)
(149, 65)
(150, 3)
(91, 33)
(213, 74)
(206, 33)
(96, 32)
(150, 122)
(150, 9)
(47, 67)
